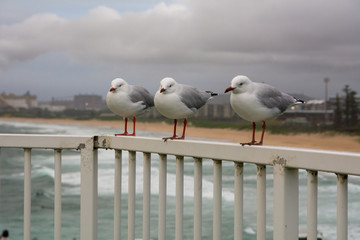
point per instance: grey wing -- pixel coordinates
(273, 98)
(192, 97)
(138, 94)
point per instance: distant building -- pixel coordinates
(314, 105)
(89, 102)
(217, 108)
(79, 102)
(57, 105)
(16, 102)
(62, 103)
(332, 104)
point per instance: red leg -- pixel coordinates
(125, 130)
(253, 142)
(175, 123)
(253, 134)
(134, 121)
(174, 135)
(262, 134)
(183, 134)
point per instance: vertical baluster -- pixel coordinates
(217, 221)
(89, 191)
(238, 200)
(342, 206)
(57, 201)
(286, 201)
(179, 197)
(261, 202)
(27, 193)
(117, 194)
(312, 196)
(131, 195)
(162, 197)
(147, 196)
(197, 198)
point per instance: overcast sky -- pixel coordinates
(63, 48)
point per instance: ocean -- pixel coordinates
(11, 192)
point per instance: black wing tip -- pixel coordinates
(212, 93)
(299, 101)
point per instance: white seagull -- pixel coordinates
(257, 102)
(175, 101)
(128, 101)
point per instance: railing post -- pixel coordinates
(342, 206)
(88, 189)
(117, 194)
(131, 195)
(57, 200)
(261, 202)
(197, 198)
(217, 221)
(286, 201)
(238, 201)
(179, 197)
(162, 197)
(27, 194)
(146, 195)
(312, 209)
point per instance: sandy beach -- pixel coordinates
(338, 142)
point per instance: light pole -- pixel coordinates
(326, 81)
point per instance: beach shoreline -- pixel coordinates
(324, 141)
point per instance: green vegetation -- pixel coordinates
(346, 113)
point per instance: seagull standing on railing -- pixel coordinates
(257, 102)
(128, 101)
(176, 101)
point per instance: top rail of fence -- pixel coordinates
(300, 158)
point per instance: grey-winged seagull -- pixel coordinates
(176, 101)
(128, 101)
(257, 102)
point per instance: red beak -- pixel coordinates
(112, 89)
(229, 89)
(162, 90)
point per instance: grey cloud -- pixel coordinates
(282, 42)
(244, 31)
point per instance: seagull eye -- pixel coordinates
(240, 84)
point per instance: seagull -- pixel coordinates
(128, 101)
(257, 102)
(176, 101)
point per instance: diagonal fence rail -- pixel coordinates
(285, 162)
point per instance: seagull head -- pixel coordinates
(239, 84)
(167, 85)
(117, 83)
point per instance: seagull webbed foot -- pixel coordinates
(173, 137)
(125, 134)
(252, 143)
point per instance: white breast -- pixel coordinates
(248, 107)
(120, 104)
(171, 106)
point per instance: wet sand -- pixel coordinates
(338, 142)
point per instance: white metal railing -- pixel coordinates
(285, 161)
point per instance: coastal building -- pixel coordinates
(57, 105)
(89, 102)
(78, 102)
(16, 102)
